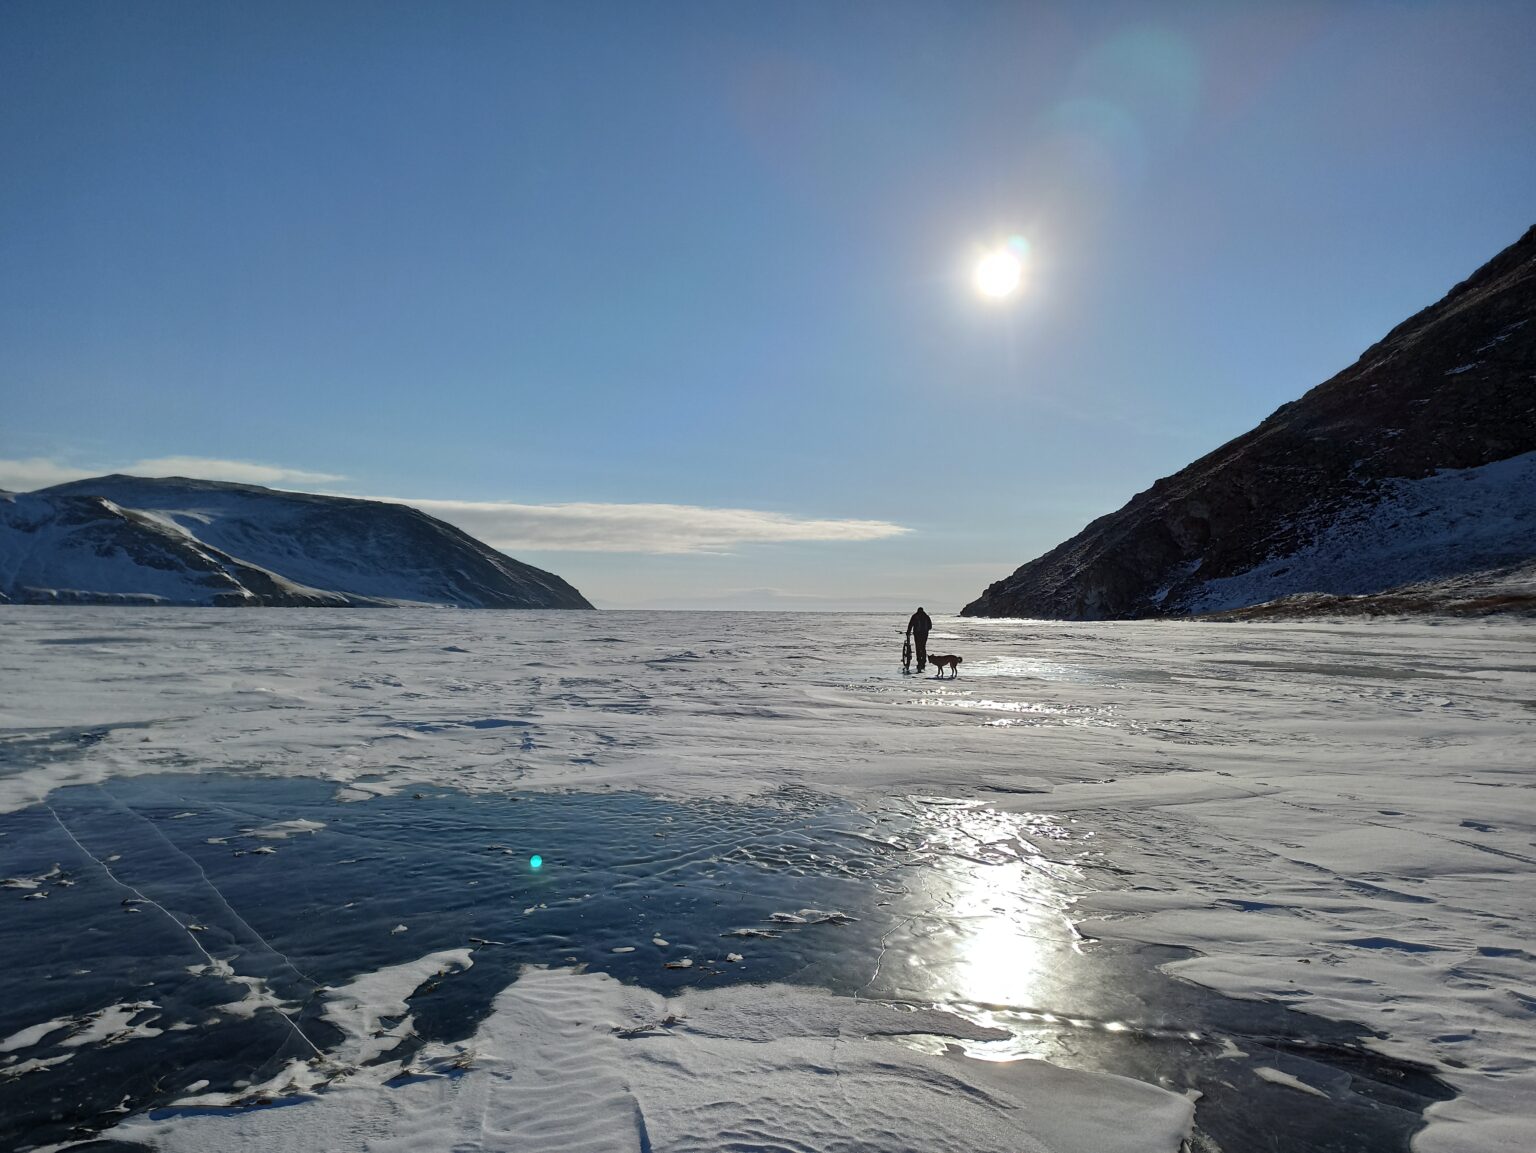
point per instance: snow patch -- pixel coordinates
(1276, 1077)
(281, 830)
(1455, 521)
(574, 1061)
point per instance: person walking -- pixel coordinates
(918, 628)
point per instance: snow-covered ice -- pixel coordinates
(1337, 817)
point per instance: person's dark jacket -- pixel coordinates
(920, 624)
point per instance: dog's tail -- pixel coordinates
(959, 660)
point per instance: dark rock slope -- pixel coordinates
(1322, 496)
(131, 540)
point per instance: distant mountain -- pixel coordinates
(132, 540)
(1416, 465)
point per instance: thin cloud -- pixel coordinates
(39, 472)
(36, 472)
(641, 528)
(237, 471)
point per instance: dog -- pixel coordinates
(940, 662)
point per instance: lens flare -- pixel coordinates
(535, 862)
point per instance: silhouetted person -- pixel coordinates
(917, 629)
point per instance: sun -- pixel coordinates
(998, 274)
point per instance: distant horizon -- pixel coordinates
(687, 305)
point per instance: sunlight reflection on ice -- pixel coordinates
(1060, 672)
(989, 937)
(1036, 712)
(987, 934)
(1039, 669)
(987, 925)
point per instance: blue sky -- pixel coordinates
(675, 299)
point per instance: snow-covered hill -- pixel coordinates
(1438, 537)
(123, 539)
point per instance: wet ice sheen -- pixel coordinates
(928, 903)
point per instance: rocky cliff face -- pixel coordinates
(123, 539)
(1452, 388)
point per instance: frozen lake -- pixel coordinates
(270, 883)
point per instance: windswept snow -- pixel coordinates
(570, 1061)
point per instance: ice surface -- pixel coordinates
(1336, 816)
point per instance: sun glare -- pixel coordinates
(998, 274)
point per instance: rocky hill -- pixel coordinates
(1416, 464)
(132, 540)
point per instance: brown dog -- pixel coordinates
(940, 662)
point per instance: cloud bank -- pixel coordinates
(641, 528)
(38, 472)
